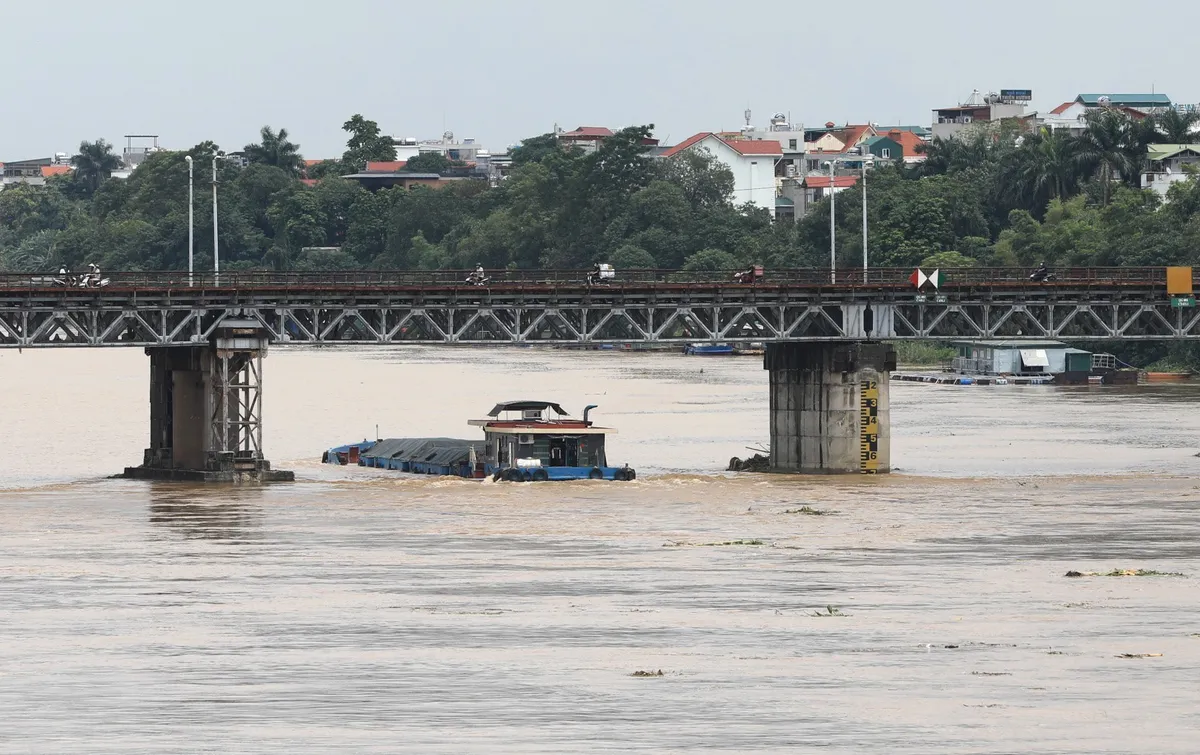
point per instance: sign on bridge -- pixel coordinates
(920, 279)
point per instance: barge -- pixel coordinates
(524, 441)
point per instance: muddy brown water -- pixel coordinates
(365, 611)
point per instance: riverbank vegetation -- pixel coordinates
(996, 197)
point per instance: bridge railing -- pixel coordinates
(799, 277)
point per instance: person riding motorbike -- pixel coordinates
(478, 277)
(746, 276)
(1040, 274)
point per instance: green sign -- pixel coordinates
(1183, 301)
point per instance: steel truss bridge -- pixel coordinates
(559, 307)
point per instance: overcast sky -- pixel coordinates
(501, 70)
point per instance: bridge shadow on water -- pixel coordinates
(231, 513)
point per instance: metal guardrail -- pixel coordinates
(372, 279)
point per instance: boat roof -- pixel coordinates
(518, 406)
(542, 428)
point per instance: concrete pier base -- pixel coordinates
(206, 410)
(829, 407)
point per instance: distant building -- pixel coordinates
(1166, 166)
(1009, 105)
(798, 197)
(137, 148)
(34, 172)
(896, 146)
(790, 137)
(752, 162)
(1072, 116)
(585, 138)
(833, 140)
(386, 179)
(1148, 103)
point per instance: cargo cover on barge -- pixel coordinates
(524, 441)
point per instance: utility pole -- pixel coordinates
(216, 248)
(191, 221)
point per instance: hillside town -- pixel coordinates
(781, 166)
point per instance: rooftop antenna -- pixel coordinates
(747, 114)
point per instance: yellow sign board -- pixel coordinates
(868, 432)
(1179, 281)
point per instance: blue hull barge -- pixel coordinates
(708, 349)
(524, 441)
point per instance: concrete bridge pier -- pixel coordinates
(206, 410)
(829, 407)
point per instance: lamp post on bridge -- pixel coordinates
(216, 241)
(191, 219)
(866, 161)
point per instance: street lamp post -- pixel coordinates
(865, 164)
(191, 220)
(216, 248)
(832, 224)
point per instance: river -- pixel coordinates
(365, 611)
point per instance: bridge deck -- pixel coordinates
(642, 306)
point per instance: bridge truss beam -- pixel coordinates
(596, 318)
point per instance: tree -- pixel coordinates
(428, 162)
(1176, 126)
(1043, 168)
(947, 260)
(711, 260)
(94, 164)
(536, 149)
(366, 144)
(1108, 147)
(630, 257)
(706, 181)
(276, 150)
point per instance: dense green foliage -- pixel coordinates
(992, 198)
(995, 197)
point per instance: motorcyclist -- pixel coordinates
(1040, 274)
(746, 276)
(593, 276)
(478, 276)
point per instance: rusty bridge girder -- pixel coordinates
(147, 311)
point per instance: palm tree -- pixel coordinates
(1111, 146)
(1176, 126)
(1043, 168)
(94, 164)
(276, 150)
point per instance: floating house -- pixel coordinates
(999, 357)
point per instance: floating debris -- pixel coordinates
(990, 673)
(1139, 655)
(648, 673)
(830, 611)
(756, 463)
(1126, 573)
(808, 511)
(674, 544)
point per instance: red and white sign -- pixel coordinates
(919, 279)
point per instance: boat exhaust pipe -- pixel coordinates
(586, 410)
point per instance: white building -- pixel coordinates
(752, 162)
(1167, 163)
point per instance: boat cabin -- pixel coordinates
(523, 434)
